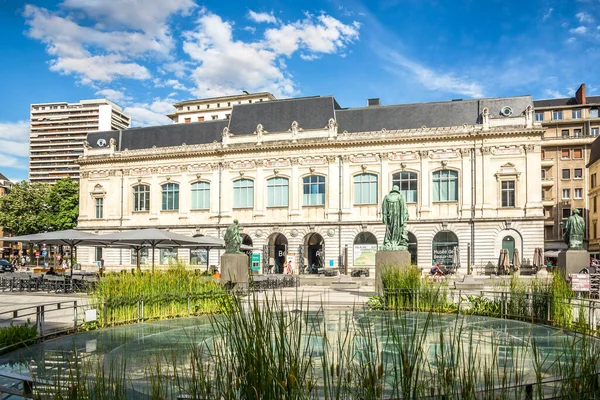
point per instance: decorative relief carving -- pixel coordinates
(364, 158)
(332, 129)
(384, 156)
(259, 163)
(154, 170)
(530, 148)
(464, 152)
(198, 167)
(112, 172)
(99, 174)
(225, 135)
(506, 150)
(485, 150)
(294, 161)
(243, 165)
(346, 158)
(403, 156)
(313, 161)
(112, 144)
(85, 174)
(279, 163)
(294, 233)
(139, 171)
(295, 129)
(331, 159)
(171, 169)
(259, 132)
(442, 154)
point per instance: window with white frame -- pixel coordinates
(314, 190)
(578, 173)
(144, 257)
(365, 189)
(407, 182)
(278, 189)
(566, 194)
(556, 115)
(168, 256)
(200, 196)
(578, 193)
(576, 132)
(576, 114)
(593, 113)
(141, 198)
(508, 193)
(170, 197)
(445, 185)
(243, 193)
(566, 174)
(99, 207)
(539, 116)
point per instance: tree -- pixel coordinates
(62, 206)
(21, 209)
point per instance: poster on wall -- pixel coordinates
(443, 255)
(291, 264)
(364, 255)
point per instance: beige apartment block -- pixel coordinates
(214, 108)
(571, 125)
(306, 177)
(57, 133)
(593, 195)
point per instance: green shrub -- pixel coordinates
(17, 334)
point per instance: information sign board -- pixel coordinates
(255, 262)
(580, 282)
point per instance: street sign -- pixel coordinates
(37, 254)
(44, 253)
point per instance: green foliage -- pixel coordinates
(37, 207)
(375, 303)
(17, 334)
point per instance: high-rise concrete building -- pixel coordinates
(214, 108)
(57, 133)
(571, 124)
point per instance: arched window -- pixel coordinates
(365, 189)
(314, 190)
(277, 192)
(443, 246)
(243, 193)
(141, 198)
(407, 182)
(200, 196)
(170, 197)
(445, 185)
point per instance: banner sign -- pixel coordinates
(364, 255)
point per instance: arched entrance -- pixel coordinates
(443, 246)
(314, 246)
(277, 250)
(508, 243)
(412, 248)
(364, 250)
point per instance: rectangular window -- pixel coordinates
(566, 212)
(508, 193)
(576, 132)
(98, 253)
(198, 257)
(565, 154)
(143, 256)
(543, 194)
(595, 204)
(556, 115)
(577, 173)
(566, 174)
(228, 104)
(214, 116)
(200, 196)
(99, 208)
(227, 116)
(594, 223)
(445, 185)
(593, 180)
(576, 114)
(243, 193)
(218, 105)
(593, 113)
(566, 194)
(578, 193)
(564, 133)
(168, 256)
(170, 197)
(208, 106)
(365, 189)
(141, 198)
(577, 153)
(314, 190)
(539, 116)
(187, 120)
(200, 119)
(278, 192)
(407, 182)
(595, 131)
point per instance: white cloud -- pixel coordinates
(262, 17)
(571, 40)
(250, 29)
(113, 95)
(580, 30)
(179, 68)
(547, 14)
(149, 114)
(171, 83)
(14, 142)
(584, 17)
(555, 94)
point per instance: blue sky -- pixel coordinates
(148, 54)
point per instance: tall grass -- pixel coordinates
(175, 292)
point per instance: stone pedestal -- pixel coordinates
(572, 261)
(384, 259)
(234, 268)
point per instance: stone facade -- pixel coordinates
(482, 157)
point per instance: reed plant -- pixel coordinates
(406, 289)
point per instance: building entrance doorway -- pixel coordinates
(508, 243)
(277, 250)
(315, 252)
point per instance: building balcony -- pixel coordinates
(547, 162)
(548, 203)
(547, 182)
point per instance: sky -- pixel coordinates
(146, 55)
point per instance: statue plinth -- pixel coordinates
(389, 259)
(234, 268)
(572, 261)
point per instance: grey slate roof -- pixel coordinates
(567, 101)
(432, 115)
(2, 177)
(278, 115)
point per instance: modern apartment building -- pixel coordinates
(214, 108)
(571, 125)
(57, 133)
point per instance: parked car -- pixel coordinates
(6, 266)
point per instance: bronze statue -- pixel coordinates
(395, 216)
(574, 231)
(233, 239)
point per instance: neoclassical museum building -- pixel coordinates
(306, 177)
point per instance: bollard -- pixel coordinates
(75, 315)
(40, 321)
